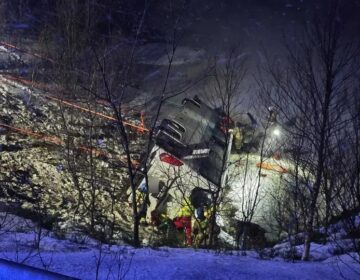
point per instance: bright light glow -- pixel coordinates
(276, 132)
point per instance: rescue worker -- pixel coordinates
(238, 138)
(156, 218)
(183, 220)
(142, 201)
(166, 222)
(273, 113)
(203, 227)
(200, 226)
(168, 231)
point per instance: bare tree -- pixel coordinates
(223, 90)
(345, 205)
(310, 87)
(115, 82)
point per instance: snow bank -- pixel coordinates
(124, 262)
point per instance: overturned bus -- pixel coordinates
(190, 151)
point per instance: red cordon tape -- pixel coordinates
(272, 167)
(142, 128)
(57, 141)
(24, 51)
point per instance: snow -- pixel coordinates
(6, 54)
(80, 259)
(319, 252)
(166, 263)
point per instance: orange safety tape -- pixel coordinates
(25, 51)
(142, 128)
(47, 138)
(273, 167)
(26, 82)
(59, 142)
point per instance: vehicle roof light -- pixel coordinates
(164, 157)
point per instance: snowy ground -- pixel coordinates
(79, 256)
(165, 263)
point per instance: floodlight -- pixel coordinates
(276, 132)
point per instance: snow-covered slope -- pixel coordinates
(81, 261)
(81, 257)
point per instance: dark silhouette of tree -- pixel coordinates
(310, 86)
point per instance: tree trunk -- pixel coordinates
(243, 238)
(306, 253)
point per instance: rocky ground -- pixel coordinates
(58, 162)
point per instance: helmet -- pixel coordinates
(143, 188)
(207, 213)
(199, 213)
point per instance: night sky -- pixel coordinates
(252, 23)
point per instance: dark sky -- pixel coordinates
(216, 23)
(258, 26)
